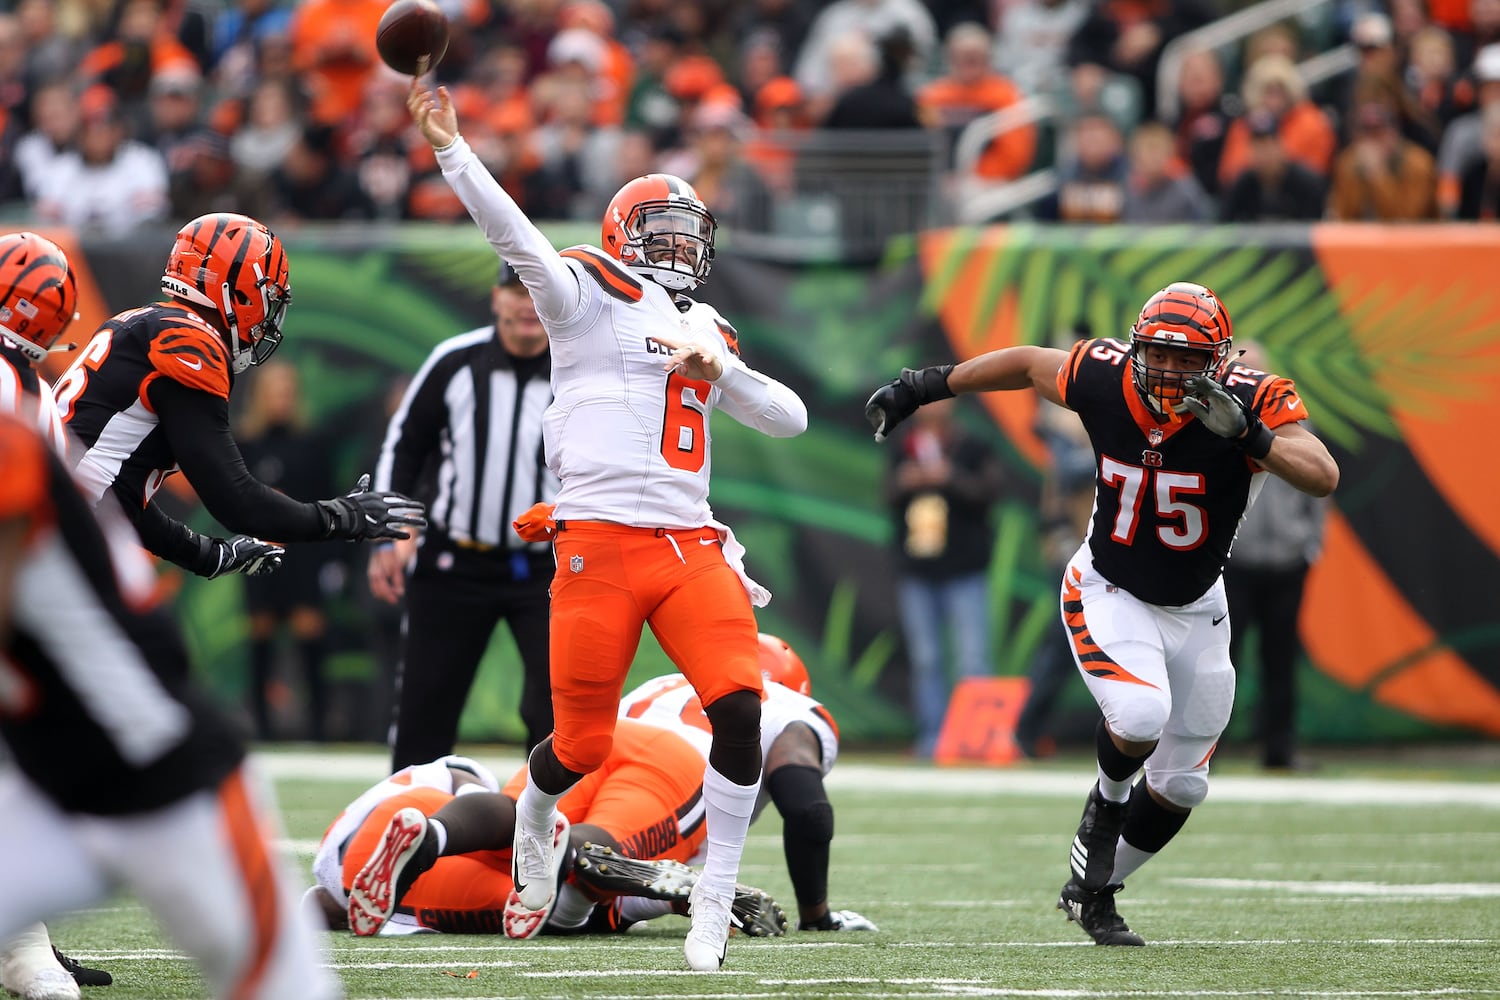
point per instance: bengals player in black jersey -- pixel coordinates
(149, 396)
(1183, 437)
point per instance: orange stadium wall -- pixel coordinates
(1392, 335)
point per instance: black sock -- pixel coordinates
(1148, 824)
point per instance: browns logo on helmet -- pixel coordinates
(780, 663)
(38, 293)
(1185, 316)
(657, 226)
(236, 267)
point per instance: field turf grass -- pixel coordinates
(1368, 878)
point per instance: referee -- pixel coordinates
(474, 413)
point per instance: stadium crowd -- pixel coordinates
(118, 113)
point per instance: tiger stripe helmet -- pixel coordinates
(236, 267)
(657, 226)
(38, 293)
(780, 663)
(1182, 315)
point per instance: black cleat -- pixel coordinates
(82, 974)
(1095, 912)
(609, 873)
(1092, 857)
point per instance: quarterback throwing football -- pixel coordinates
(637, 369)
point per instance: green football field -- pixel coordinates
(1365, 879)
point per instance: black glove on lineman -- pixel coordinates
(900, 397)
(1226, 415)
(243, 554)
(362, 514)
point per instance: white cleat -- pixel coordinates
(708, 939)
(29, 969)
(534, 863)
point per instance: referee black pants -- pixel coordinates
(454, 600)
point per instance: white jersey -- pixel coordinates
(30, 397)
(670, 702)
(629, 442)
(328, 863)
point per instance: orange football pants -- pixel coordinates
(612, 581)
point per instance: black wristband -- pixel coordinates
(207, 564)
(931, 384)
(1256, 441)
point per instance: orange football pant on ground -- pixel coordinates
(612, 581)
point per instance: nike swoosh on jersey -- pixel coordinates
(708, 541)
(1220, 618)
(196, 364)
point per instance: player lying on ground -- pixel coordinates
(429, 848)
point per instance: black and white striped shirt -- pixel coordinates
(477, 411)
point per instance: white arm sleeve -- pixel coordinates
(760, 401)
(554, 287)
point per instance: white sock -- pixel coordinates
(439, 832)
(1128, 860)
(728, 808)
(537, 809)
(634, 909)
(572, 908)
(1112, 790)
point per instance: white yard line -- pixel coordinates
(1426, 890)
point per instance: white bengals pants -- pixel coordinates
(204, 866)
(1158, 673)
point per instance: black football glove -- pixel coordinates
(363, 514)
(243, 554)
(900, 397)
(1226, 415)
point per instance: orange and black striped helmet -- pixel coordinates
(779, 662)
(1185, 316)
(657, 226)
(38, 293)
(236, 267)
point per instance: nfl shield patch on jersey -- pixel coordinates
(576, 564)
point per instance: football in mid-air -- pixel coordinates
(409, 32)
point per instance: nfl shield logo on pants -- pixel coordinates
(576, 564)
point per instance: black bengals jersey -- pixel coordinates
(1169, 493)
(148, 396)
(96, 705)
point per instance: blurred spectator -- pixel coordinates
(1031, 45)
(878, 98)
(1204, 115)
(187, 22)
(941, 486)
(54, 134)
(759, 63)
(281, 452)
(109, 184)
(651, 105)
(1159, 189)
(312, 183)
(1273, 188)
(270, 131)
(1461, 145)
(873, 20)
(1408, 19)
(239, 32)
(175, 122)
(779, 110)
(1450, 14)
(1278, 39)
(970, 90)
(1273, 85)
(333, 46)
(729, 186)
(1127, 36)
(51, 51)
(1379, 78)
(141, 47)
(575, 155)
(1432, 77)
(1277, 542)
(378, 143)
(1093, 176)
(208, 181)
(788, 21)
(1382, 177)
(14, 96)
(1479, 186)
(1484, 28)
(1067, 501)
(495, 90)
(695, 80)
(616, 71)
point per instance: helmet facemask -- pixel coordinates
(264, 336)
(1164, 388)
(672, 242)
